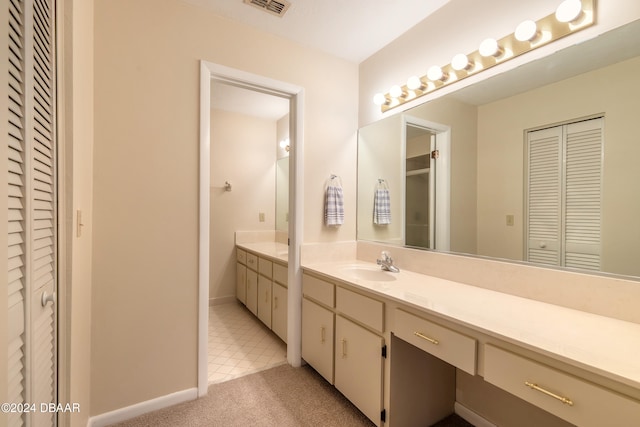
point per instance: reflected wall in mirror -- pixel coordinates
(282, 194)
(488, 123)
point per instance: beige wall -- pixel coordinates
(613, 91)
(243, 153)
(145, 273)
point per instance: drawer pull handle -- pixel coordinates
(562, 399)
(322, 334)
(344, 348)
(424, 337)
(275, 303)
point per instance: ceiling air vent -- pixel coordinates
(277, 8)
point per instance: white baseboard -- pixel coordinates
(141, 408)
(222, 300)
(471, 416)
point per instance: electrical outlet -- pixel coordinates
(510, 220)
(261, 216)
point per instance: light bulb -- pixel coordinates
(489, 47)
(460, 62)
(395, 91)
(414, 83)
(435, 73)
(568, 10)
(379, 99)
(526, 31)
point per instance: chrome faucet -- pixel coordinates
(387, 263)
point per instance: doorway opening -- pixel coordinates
(426, 192)
(249, 194)
(295, 95)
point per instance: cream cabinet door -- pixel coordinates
(252, 291)
(279, 311)
(264, 300)
(358, 367)
(317, 338)
(241, 283)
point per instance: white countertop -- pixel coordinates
(276, 251)
(598, 344)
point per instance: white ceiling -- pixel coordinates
(349, 29)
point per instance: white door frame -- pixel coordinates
(295, 94)
(443, 178)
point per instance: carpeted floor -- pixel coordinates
(282, 396)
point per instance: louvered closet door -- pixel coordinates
(16, 215)
(564, 197)
(544, 148)
(583, 178)
(32, 209)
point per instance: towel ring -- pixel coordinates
(382, 184)
(336, 180)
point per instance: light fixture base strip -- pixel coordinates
(550, 30)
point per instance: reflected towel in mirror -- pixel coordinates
(381, 206)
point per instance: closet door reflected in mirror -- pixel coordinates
(564, 195)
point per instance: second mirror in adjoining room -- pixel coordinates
(541, 163)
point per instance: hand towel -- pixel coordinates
(381, 207)
(333, 206)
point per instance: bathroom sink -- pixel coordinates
(369, 273)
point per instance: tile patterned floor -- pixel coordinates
(240, 344)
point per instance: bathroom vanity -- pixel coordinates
(393, 344)
(261, 283)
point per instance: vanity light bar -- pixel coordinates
(525, 39)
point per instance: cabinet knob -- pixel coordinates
(48, 298)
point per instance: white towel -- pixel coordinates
(381, 207)
(333, 206)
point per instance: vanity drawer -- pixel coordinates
(585, 404)
(265, 267)
(318, 290)
(252, 261)
(280, 273)
(450, 346)
(241, 256)
(361, 308)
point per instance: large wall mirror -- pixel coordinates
(491, 162)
